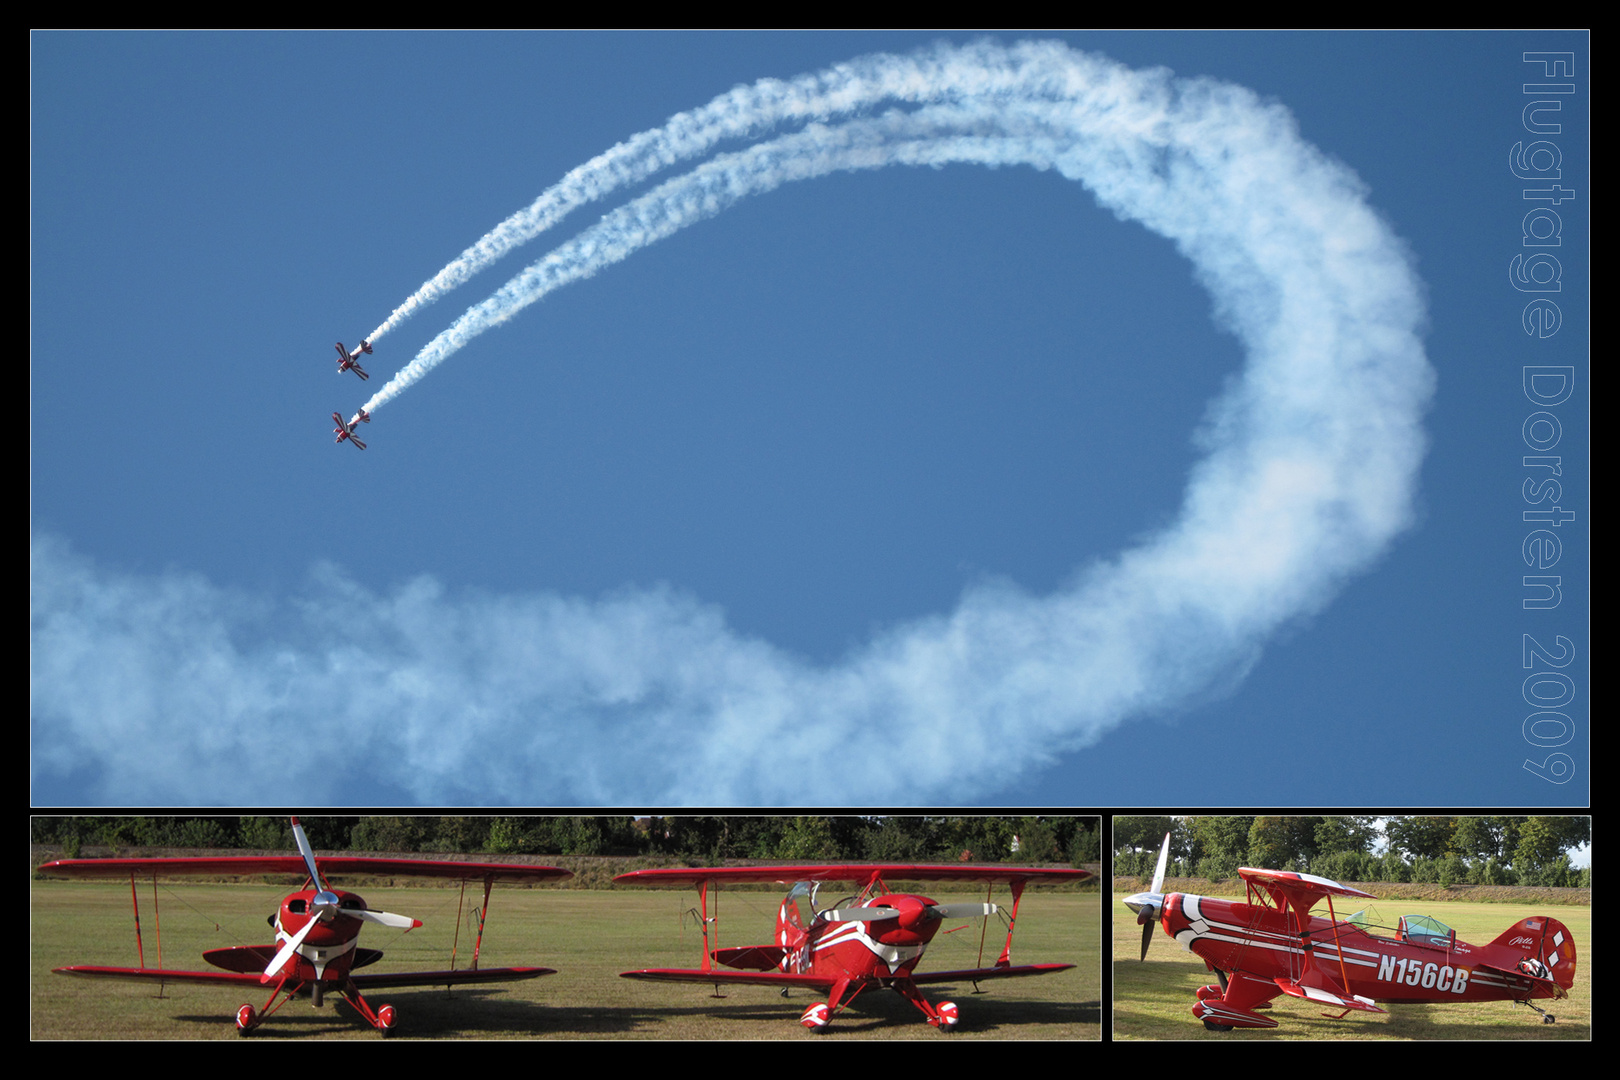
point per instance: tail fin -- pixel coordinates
(1546, 940)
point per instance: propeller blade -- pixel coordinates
(860, 914)
(287, 951)
(309, 855)
(1158, 875)
(963, 911)
(384, 918)
(1149, 906)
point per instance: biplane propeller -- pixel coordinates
(872, 939)
(317, 928)
(1271, 944)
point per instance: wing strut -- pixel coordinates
(1339, 945)
(984, 928)
(157, 925)
(483, 914)
(1012, 921)
(134, 902)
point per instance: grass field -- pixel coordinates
(588, 936)
(1154, 999)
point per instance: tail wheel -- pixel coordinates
(247, 1018)
(386, 1018)
(947, 1015)
(816, 1016)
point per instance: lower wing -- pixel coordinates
(383, 980)
(981, 974)
(213, 978)
(363, 983)
(744, 978)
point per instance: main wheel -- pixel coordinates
(816, 1016)
(247, 1018)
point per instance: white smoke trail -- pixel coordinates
(984, 71)
(1310, 470)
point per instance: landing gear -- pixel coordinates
(816, 1016)
(1546, 1017)
(1210, 1025)
(247, 1018)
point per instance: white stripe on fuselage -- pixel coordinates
(894, 956)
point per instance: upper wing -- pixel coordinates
(863, 873)
(1299, 891)
(293, 865)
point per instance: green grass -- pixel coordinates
(1154, 999)
(588, 936)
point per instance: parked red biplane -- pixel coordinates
(346, 430)
(317, 929)
(1273, 945)
(348, 361)
(873, 938)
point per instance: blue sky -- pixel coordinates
(791, 506)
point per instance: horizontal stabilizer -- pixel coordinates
(255, 958)
(752, 957)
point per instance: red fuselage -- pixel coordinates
(327, 953)
(879, 949)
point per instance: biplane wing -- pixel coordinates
(982, 974)
(294, 866)
(733, 978)
(1301, 892)
(251, 980)
(863, 873)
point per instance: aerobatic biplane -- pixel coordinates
(872, 938)
(317, 929)
(1272, 944)
(348, 361)
(345, 430)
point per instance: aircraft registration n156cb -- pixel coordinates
(1273, 945)
(317, 928)
(874, 938)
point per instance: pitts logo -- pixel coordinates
(1430, 976)
(1521, 941)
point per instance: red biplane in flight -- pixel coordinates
(1273, 945)
(346, 430)
(872, 938)
(317, 928)
(348, 361)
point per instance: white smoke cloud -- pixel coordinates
(1310, 470)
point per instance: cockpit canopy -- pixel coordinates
(1426, 930)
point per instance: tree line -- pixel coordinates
(1445, 850)
(1072, 841)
